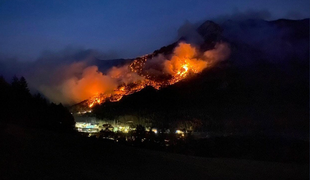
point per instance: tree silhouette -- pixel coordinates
(18, 106)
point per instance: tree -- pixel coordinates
(20, 89)
(5, 105)
(24, 85)
(60, 118)
(21, 108)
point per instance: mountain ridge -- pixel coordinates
(267, 94)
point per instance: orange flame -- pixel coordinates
(133, 78)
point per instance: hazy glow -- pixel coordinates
(130, 79)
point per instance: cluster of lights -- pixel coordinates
(87, 127)
(154, 130)
(122, 129)
(180, 132)
(94, 128)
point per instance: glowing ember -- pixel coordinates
(133, 78)
(94, 101)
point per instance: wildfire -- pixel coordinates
(182, 73)
(138, 75)
(96, 100)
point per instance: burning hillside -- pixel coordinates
(158, 72)
(175, 62)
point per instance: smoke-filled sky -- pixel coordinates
(117, 28)
(56, 45)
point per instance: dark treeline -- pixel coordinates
(19, 106)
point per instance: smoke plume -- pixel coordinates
(71, 76)
(81, 81)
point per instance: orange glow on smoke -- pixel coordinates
(132, 78)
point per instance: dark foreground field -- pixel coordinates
(36, 154)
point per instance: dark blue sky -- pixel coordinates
(123, 28)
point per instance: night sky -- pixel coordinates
(123, 29)
(235, 92)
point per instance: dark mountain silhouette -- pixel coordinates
(261, 88)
